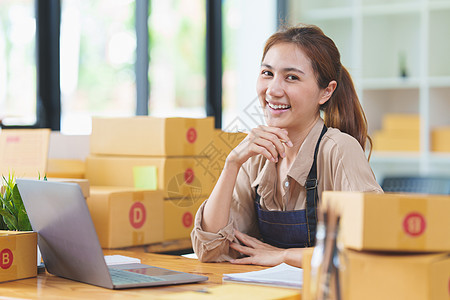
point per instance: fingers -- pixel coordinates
(246, 239)
(242, 249)
(243, 261)
(252, 242)
(268, 141)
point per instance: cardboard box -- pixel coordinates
(177, 176)
(215, 153)
(65, 168)
(306, 266)
(18, 255)
(23, 152)
(404, 122)
(391, 221)
(83, 183)
(395, 141)
(150, 136)
(386, 276)
(179, 218)
(400, 132)
(227, 141)
(126, 216)
(440, 139)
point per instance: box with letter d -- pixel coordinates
(179, 215)
(18, 255)
(125, 216)
(392, 222)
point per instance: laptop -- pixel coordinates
(69, 244)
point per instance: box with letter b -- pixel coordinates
(18, 254)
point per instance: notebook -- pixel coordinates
(69, 244)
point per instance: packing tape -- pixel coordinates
(8, 259)
(137, 238)
(191, 137)
(413, 223)
(137, 196)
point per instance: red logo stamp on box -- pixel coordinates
(414, 224)
(13, 139)
(191, 135)
(6, 258)
(189, 176)
(187, 219)
(137, 215)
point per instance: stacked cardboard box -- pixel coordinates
(125, 216)
(23, 152)
(67, 155)
(166, 154)
(397, 246)
(440, 139)
(400, 132)
(18, 255)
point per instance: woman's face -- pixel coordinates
(287, 88)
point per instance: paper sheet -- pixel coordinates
(112, 260)
(281, 275)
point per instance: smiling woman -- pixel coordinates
(263, 207)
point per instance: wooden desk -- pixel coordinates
(46, 286)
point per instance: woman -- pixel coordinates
(264, 204)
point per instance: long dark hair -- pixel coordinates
(343, 110)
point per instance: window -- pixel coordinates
(244, 40)
(177, 58)
(98, 43)
(17, 62)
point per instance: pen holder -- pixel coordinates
(325, 281)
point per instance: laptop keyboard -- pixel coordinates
(120, 277)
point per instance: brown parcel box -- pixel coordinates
(24, 152)
(217, 151)
(440, 139)
(83, 183)
(65, 168)
(392, 222)
(18, 255)
(372, 275)
(126, 216)
(177, 176)
(179, 217)
(150, 136)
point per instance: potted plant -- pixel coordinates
(18, 243)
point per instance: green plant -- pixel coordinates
(12, 210)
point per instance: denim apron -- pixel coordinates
(295, 228)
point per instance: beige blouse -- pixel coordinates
(341, 166)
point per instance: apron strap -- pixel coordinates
(311, 195)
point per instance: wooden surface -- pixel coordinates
(46, 286)
(166, 246)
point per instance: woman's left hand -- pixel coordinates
(258, 253)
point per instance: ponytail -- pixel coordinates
(344, 112)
